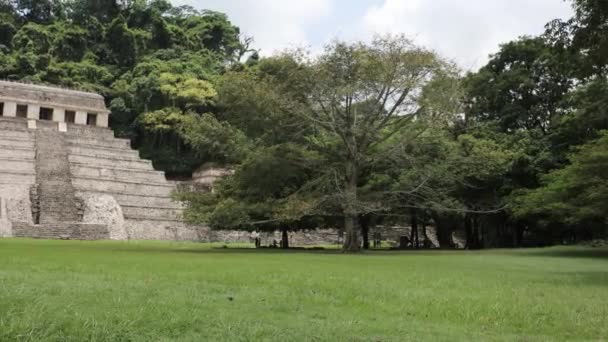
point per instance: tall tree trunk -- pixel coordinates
(426, 242)
(414, 232)
(482, 236)
(284, 238)
(364, 222)
(351, 242)
(468, 231)
(444, 232)
(424, 223)
(471, 226)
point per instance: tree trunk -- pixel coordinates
(471, 226)
(414, 232)
(424, 232)
(444, 232)
(468, 231)
(482, 236)
(284, 238)
(351, 241)
(364, 222)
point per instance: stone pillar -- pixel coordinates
(10, 109)
(58, 114)
(102, 120)
(62, 126)
(81, 118)
(33, 111)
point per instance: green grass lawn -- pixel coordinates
(151, 291)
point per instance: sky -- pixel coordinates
(465, 31)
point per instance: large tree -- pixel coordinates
(363, 95)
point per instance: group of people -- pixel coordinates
(257, 240)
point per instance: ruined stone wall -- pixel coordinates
(104, 165)
(61, 230)
(17, 171)
(390, 236)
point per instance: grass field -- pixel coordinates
(152, 291)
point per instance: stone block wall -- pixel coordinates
(56, 195)
(62, 230)
(17, 169)
(104, 165)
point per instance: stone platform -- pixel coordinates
(63, 230)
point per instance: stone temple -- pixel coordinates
(63, 174)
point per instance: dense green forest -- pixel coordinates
(376, 133)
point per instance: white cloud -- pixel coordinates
(464, 30)
(274, 24)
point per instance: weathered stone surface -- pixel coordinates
(6, 227)
(19, 209)
(58, 202)
(61, 230)
(106, 211)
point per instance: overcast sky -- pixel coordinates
(463, 30)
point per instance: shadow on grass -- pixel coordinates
(570, 252)
(279, 251)
(220, 250)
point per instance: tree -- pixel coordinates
(522, 87)
(584, 37)
(576, 195)
(362, 96)
(263, 194)
(122, 42)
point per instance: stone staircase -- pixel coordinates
(101, 164)
(55, 172)
(56, 195)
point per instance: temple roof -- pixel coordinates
(52, 96)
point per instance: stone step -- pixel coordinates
(17, 134)
(18, 165)
(132, 163)
(122, 187)
(63, 230)
(13, 124)
(82, 131)
(146, 213)
(135, 200)
(116, 174)
(163, 230)
(16, 153)
(111, 143)
(24, 142)
(8, 177)
(86, 150)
